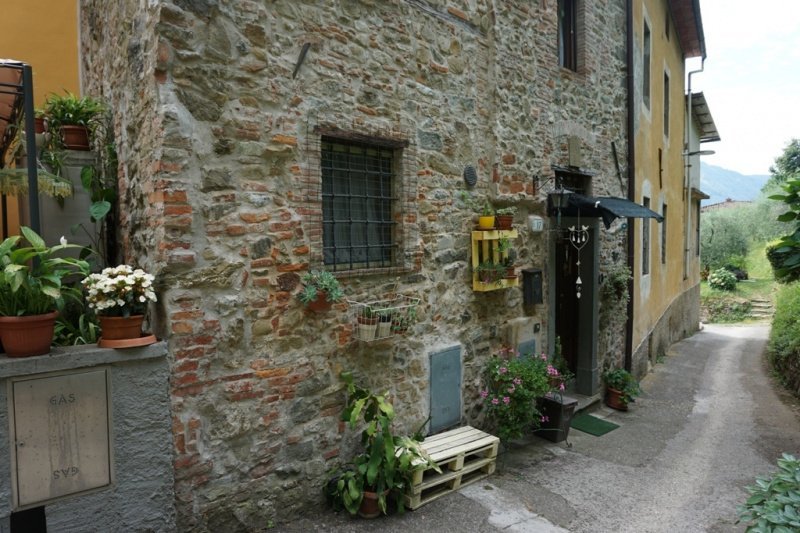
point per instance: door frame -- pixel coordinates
(587, 372)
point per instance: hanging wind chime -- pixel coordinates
(578, 237)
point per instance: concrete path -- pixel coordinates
(709, 420)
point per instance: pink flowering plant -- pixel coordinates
(513, 382)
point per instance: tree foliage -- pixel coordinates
(784, 254)
(787, 165)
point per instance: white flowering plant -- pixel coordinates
(119, 291)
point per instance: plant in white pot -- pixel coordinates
(120, 295)
(32, 290)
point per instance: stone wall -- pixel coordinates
(225, 211)
(142, 497)
(119, 59)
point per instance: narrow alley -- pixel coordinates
(708, 422)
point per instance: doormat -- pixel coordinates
(592, 425)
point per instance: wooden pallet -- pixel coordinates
(464, 455)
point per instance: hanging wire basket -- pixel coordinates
(382, 319)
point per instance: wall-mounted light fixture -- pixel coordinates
(699, 152)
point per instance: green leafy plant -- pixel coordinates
(489, 272)
(320, 281)
(32, 281)
(777, 253)
(614, 288)
(774, 502)
(510, 260)
(99, 181)
(722, 279)
(507, 211)
(622, 380)
(787, 251)
(783, 350)
(503, 244)
(512, 385)
(388, 462)
(75, 325)
(69, 109)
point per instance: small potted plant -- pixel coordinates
(367, 321)
(490, 273)
(486, 216)
(120, 295)
(75, 118)
(32, 290)
(402, 321)
(513, 383)
(363, 486)
(621, 388)
(384, 323)
(504, 217)
(321, 289)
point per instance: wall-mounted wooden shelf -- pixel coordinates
(486, 248)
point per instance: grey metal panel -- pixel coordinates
(527, 347)
(60, 434)
(445, 388)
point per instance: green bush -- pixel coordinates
(783, 349)
(774, 502)
(722, 279)
(777, 255)
(727, 310)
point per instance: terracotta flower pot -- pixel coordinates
(321, 304)
(504, 221)
(75, 137)
(39, 125)
(614, 399)
(25, 336)
(121, 327)
(369, 505)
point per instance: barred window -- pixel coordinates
(358, 205)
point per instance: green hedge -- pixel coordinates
(776, 260)
(784, 341)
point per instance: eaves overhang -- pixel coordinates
(689, 26)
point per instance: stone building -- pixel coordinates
(230, 121)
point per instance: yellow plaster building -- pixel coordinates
(45, 36)
(665, 299)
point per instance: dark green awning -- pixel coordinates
(606, 207)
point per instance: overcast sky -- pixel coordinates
(751, 80)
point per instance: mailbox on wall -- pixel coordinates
(60, 437)
(532, 286)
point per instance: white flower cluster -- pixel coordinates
(119, 287)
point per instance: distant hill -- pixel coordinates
(720, 184)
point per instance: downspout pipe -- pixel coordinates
(631, 174)
(30, 149)
(687, 168)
